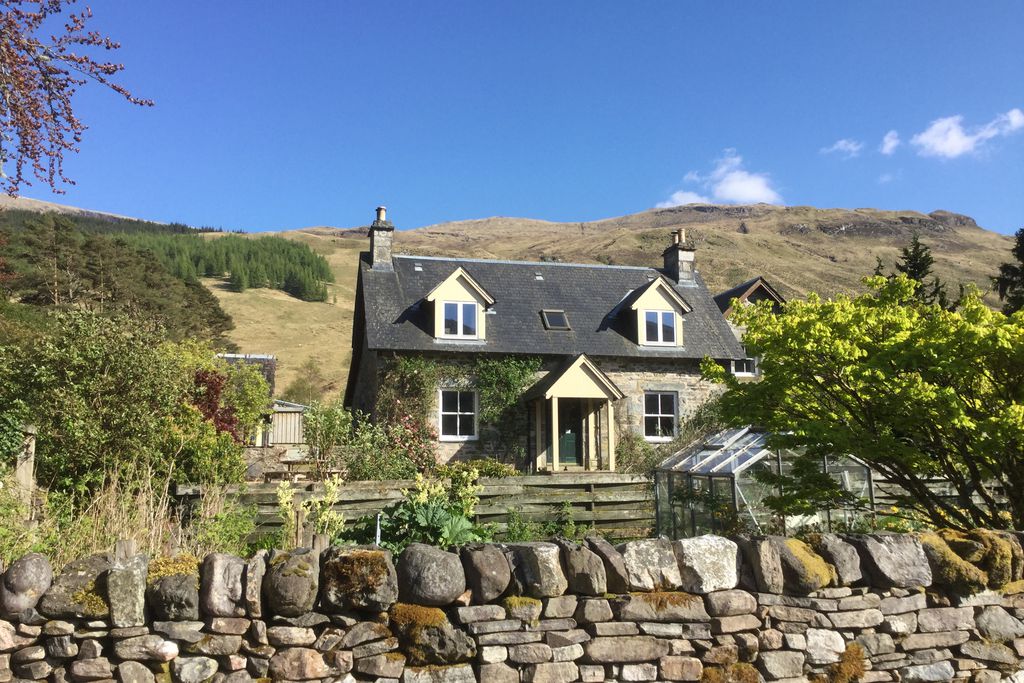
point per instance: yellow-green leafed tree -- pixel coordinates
(914, 391)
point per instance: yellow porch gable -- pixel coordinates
(583, 379)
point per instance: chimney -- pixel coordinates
(382, 235)
(679, 258)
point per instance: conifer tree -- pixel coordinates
(916, 263)
(1009, 284)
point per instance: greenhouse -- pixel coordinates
(711, 487)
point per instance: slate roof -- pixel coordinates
(593, 297)
(743, 290)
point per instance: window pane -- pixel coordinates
(652, 326)
(449, 425)
(650, 426)
(668, 404)
(449, 401)
(556, 320)
(451, 318)
(667, 426)
(469, 320)
(668, 327)
(651, 404)
(466, 402)
(467, 425)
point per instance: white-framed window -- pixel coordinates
(460, 320)
(660, 415)
(746, 367)
(457, 410)
(660, 328)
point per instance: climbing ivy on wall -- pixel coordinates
(407, 389)
(408, 395)
(501, 383)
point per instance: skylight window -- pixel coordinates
(555, 320)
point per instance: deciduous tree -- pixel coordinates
(42, 65)
(915, 391)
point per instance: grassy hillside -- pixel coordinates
(800, 249)
(269, 321)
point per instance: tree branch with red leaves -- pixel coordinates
(39, 76)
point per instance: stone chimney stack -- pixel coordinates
(679, 258)
(382, 236)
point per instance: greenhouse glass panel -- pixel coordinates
(712, 487)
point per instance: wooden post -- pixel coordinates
(591, 454)
(125, 548)
(611, 437)
(321, 542)
(542, 451)
(554, 434)
(24, 468)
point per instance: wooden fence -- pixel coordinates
(619, 506)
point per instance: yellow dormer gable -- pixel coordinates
(659, 315)
(459, 303)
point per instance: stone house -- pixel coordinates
(752, 291)
(620, 346)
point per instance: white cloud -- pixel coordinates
(727, 183)
(889, 143)
(947, 137)
(846, 147)
(886, 178)
(682, 197)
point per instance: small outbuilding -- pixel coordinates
(711, 487)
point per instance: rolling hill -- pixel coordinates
(799, 249)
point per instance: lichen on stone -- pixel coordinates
(358, 569)
(949, 570)
(740, 672)
(811, 563)
(848, 669)
(407, 616)
(663, 599)
(93, 604)
(185, 564)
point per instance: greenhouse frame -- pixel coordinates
(711, 486)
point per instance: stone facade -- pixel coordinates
(632, 376)
(768, 609)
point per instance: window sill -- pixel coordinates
(659, 439)
(457, 439)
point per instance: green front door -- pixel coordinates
(570, 437)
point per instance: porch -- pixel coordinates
(572, 419)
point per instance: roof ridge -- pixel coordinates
(522, 263)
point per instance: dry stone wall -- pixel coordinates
(873, 608)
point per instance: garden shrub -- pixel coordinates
(634, 455)
(435, 511)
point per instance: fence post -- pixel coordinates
(125, 549)
(24, 467)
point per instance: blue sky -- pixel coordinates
(271, 117)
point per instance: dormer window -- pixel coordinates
(457, 303)
(555, 320)
(659, 314)
(460, 320)
(660, 328)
